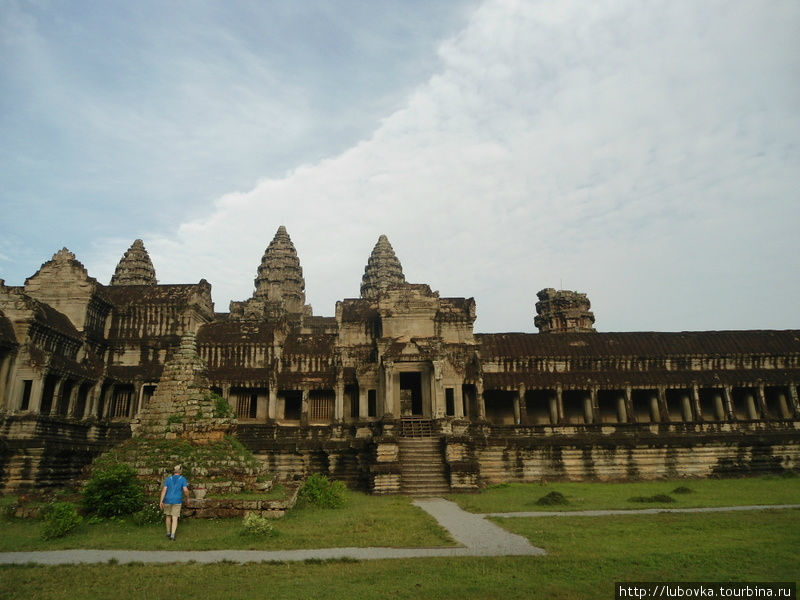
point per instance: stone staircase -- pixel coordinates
(422, 468)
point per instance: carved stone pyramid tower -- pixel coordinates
(135, 267)
(383, 270)
(280, 277)
(182, 406)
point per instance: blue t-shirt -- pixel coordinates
(174, 485)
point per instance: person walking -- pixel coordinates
(175, 486)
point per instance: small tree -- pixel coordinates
(61, 519)
(113, 491)
(318, 490)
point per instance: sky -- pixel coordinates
(646, 153)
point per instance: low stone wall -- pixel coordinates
(211, 508)
(39, 452)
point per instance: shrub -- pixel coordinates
(319, 491)
(259, 526)
(656, 498)
(62, 518)
(113, 491)
(551, 499)
(149, 515)
(222, 409)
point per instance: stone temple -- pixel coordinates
(395, 393)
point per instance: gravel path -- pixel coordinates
(478, 536)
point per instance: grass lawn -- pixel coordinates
(515, 497)
(586, 556)
(364, 521)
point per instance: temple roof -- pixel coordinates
(383, 270)
(280, 276)
(650, 344)
(135, 267)
(156, 294)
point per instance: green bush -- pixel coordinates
(551, 499)
(62, 518)
(222, 409)
(319, 491)
(149, 515)
(259, 526)
(113, 491)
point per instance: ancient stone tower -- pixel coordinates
(563, 311)
(135, 267)
(383, 270)
(280, 277)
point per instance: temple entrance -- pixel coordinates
(411, 394)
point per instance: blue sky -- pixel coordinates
(644, 153)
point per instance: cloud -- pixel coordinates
(645, 154)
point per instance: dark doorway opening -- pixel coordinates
(411, 400)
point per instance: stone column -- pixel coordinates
(479, 399)
(698, 411)
(5, 384)
(37, 387)
(622, 412)
(727, 392)
(54, 400)
(304, 407)
(588, 413)
(655, 417)
(719, 406)
(795, 402)
(686, 408)
(523, 405)
(750, 403)
(363, 402)
(762, 402)
(553, 406)
(389, 407)
(338, 411)
(272, 403)
(458, 401)
(516, 409)
(73, 397)
(662, 404)
(560, 403)
(783, 406)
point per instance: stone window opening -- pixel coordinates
(644, 404)
(449, 402)
(411, 393)
(745, 407)
(711, 404)
(80, 403)
(63, 397)
(499, 406)
(372, 403)
(611, 406)
(47, 394)
(292, 404)
(777, 402)
(351, 392)
(469, 400)
(320, 406)
(25, 401)
(575, 407)
(246, 404)
(539, 404)
(121, 403)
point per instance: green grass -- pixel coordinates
(364, 521)
(276, 492)
(516, 497)
(586, 556)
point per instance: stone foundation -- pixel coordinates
(212, 508)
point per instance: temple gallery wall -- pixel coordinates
(395, 392)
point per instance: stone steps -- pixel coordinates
(422, 468)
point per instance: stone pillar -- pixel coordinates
(595, 405)
(783, 406)
(523, 406)
(655, 416)
(622, 413)
(458, 401)
(588, 413)
(698, 411)
(516, 409)
(272, 403)
(727, 392)
(73, 397)
(762, 402)
(719, 406)
(795, 402)
(304, 407)
(5, 384)
(338, 410)
(630, 413)
(553, 406)
(750, 403)
(363, 402)
(54, 401)
(662, 404)
(686, 408)
(479, 399)
(37, 387)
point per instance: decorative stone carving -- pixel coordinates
(135, 267)
(383, 270)
(563, 311)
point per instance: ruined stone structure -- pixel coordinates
(395, 393)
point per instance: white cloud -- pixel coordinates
(644, 154)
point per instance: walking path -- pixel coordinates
(478, 536)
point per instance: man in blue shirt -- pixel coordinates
(175, 486)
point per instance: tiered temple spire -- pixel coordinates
(280, 276)
(135, 267)
(383, 270)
